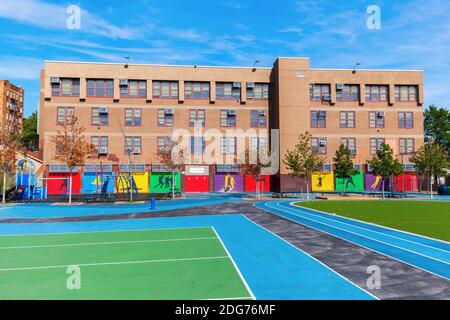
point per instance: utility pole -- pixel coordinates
(128, 150)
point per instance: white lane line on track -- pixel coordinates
(355, 243)
(297, 208)
(381, 226)
(307, 254)
(113, 263)
(105, 243)
(235, 265)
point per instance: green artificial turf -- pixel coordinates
(427, 218)
(150, 264)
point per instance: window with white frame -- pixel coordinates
(406, 145)
(318, 119)
(196, 90)
(133, 145)
(64, 115)
(319, 145)
(133, 117)
(165, 89)
(101, 144)
(197, 118)
(228, 145)
(376, 119)
(165, 117)
(228, 90)
(228, 118)
(406, 93)
(347, 119)
(377, 93)
(405, 120)
(347, 92)
(318, 92)
(134, 89)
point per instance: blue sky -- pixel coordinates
(415, 34)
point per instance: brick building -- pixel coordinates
(12, 104)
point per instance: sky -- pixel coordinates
(413, 34)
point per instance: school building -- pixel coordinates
(130, 111)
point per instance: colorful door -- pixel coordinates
(250, 184)
(196, 184)
(228, 182)
(59, 183)
(406, 182)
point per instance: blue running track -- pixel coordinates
(422, 252)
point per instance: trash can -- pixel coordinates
(152, 203)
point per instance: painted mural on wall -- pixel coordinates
(59, 183)
(375, 183)
(322, 181)
(98, 183)
(354, 183)
(161, 182)
(137, 182)
(228, 182)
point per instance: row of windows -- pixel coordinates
(406, 93)
(165, 118)
(161, 89)
(406, 145)
(376, 119)
(133, 145)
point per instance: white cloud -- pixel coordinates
(53, 16)
(20, 68)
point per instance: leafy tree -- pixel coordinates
(344, 168)
(431, 160)
(254, 167)
(384, 164)
(30, 136)
(72, 148)
(9, 146)
(302, 161)
(173, 158)
(437, 126)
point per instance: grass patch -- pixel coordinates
(427, 218)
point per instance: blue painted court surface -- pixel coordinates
(273, 268)
(42, 211)
(421, 252)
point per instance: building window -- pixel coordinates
(100, 116)
(134, 89)
(405, 120)
(100, 144)
(406, 93)
(258, 144)
(375, 144)
(133, 145)
(319, 145)
(377, 93)
(198, 145)
(196, 90)
(228, 90)
(318, 119)
(258, 119)
(164, 144)
(258, 91)
(100, 88)
(376, 119)
(64, 115)
(228, 118)
(406, 145)
(347, 92)
(318, 92)
(133, 117)
(347, 119)
(165, 89)
(66, 87)
(350, 143)
(165, 117)
(196, 118)
(228, 145)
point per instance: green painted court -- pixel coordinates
(189, 263)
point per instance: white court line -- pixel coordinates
(114, 263)
(357, 244)
(235, 265)
(358, 234)
(307, 254)
(378, 225)
(298, 208)
(99, 231)
(234, 298)
(105, 243)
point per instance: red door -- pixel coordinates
(250, 184)
(196, 183)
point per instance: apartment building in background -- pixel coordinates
(12, 107)
(129, 111)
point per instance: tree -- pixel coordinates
(172, 157)
(254, 167)
(302, 161)
(9, 146)
(384, 164)
(72, 148)
(30, 136)
(344, 168)
(431, 160)
(437, 126)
